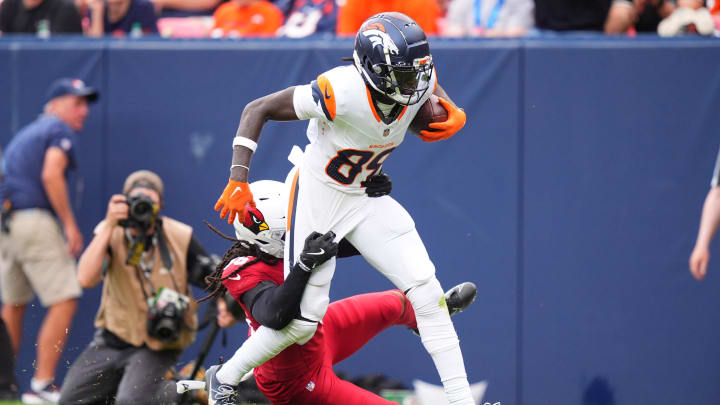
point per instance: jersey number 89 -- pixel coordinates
(352, 161)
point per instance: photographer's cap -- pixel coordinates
(144, 179)
(76, 87)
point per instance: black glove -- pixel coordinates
(377, 185)
(318, 249)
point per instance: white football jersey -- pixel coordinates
(348, 139)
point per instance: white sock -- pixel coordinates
(261, 346)
(440, 340)
(39, 385)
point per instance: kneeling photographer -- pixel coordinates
(147, 315)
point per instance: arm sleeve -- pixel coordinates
(273, 305)
(316, 100)
(304, 102)
(64, 140)
(199, 263)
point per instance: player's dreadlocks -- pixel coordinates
(239, 249)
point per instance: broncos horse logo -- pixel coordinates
(377, 36)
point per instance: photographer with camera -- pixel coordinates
(147, 315)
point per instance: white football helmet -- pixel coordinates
(265, 224)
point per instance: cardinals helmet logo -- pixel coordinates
(254, 220)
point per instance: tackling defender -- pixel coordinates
(252, 271)
(358, 115)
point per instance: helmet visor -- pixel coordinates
(408, 83)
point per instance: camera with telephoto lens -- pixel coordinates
(166, 313)
(141, 213)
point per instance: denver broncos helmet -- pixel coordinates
(264, 224)
(393, 56)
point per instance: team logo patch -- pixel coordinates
(65, 144)
(310, 386)
(78, 84)
(254, 220)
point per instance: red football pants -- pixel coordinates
(349, 324)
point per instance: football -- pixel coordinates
(431, 111)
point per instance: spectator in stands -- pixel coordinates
(121, 17)
(36, 257)
(185, 8)
(127, 360)
(571, 15)
(355, 12)
(511, 18)
(310, 17)
(247, 18)
(690, 17)
(42, 17)
(640, 15)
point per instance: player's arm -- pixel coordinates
(277, 107)
(454, 123)
(709, 222)
(275, 305)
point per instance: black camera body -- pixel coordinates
(142, 213)
(166, 314)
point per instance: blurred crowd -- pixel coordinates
(303, 18)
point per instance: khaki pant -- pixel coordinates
(34, 259)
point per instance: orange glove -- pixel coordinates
(444, 130)
(233, 200)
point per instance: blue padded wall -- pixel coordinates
(571, 198)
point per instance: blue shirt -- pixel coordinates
(24, 157)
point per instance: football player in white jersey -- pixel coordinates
(358, 115)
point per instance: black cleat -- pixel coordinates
(457, 299)
(460, 297)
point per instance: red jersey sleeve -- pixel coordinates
(241, 280)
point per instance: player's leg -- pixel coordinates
(328, 389)
(352, 322)
(303, 218)
(388, 240)
(264, 344)
(315, 207)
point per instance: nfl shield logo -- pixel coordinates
(310, 386)
(386, 132)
